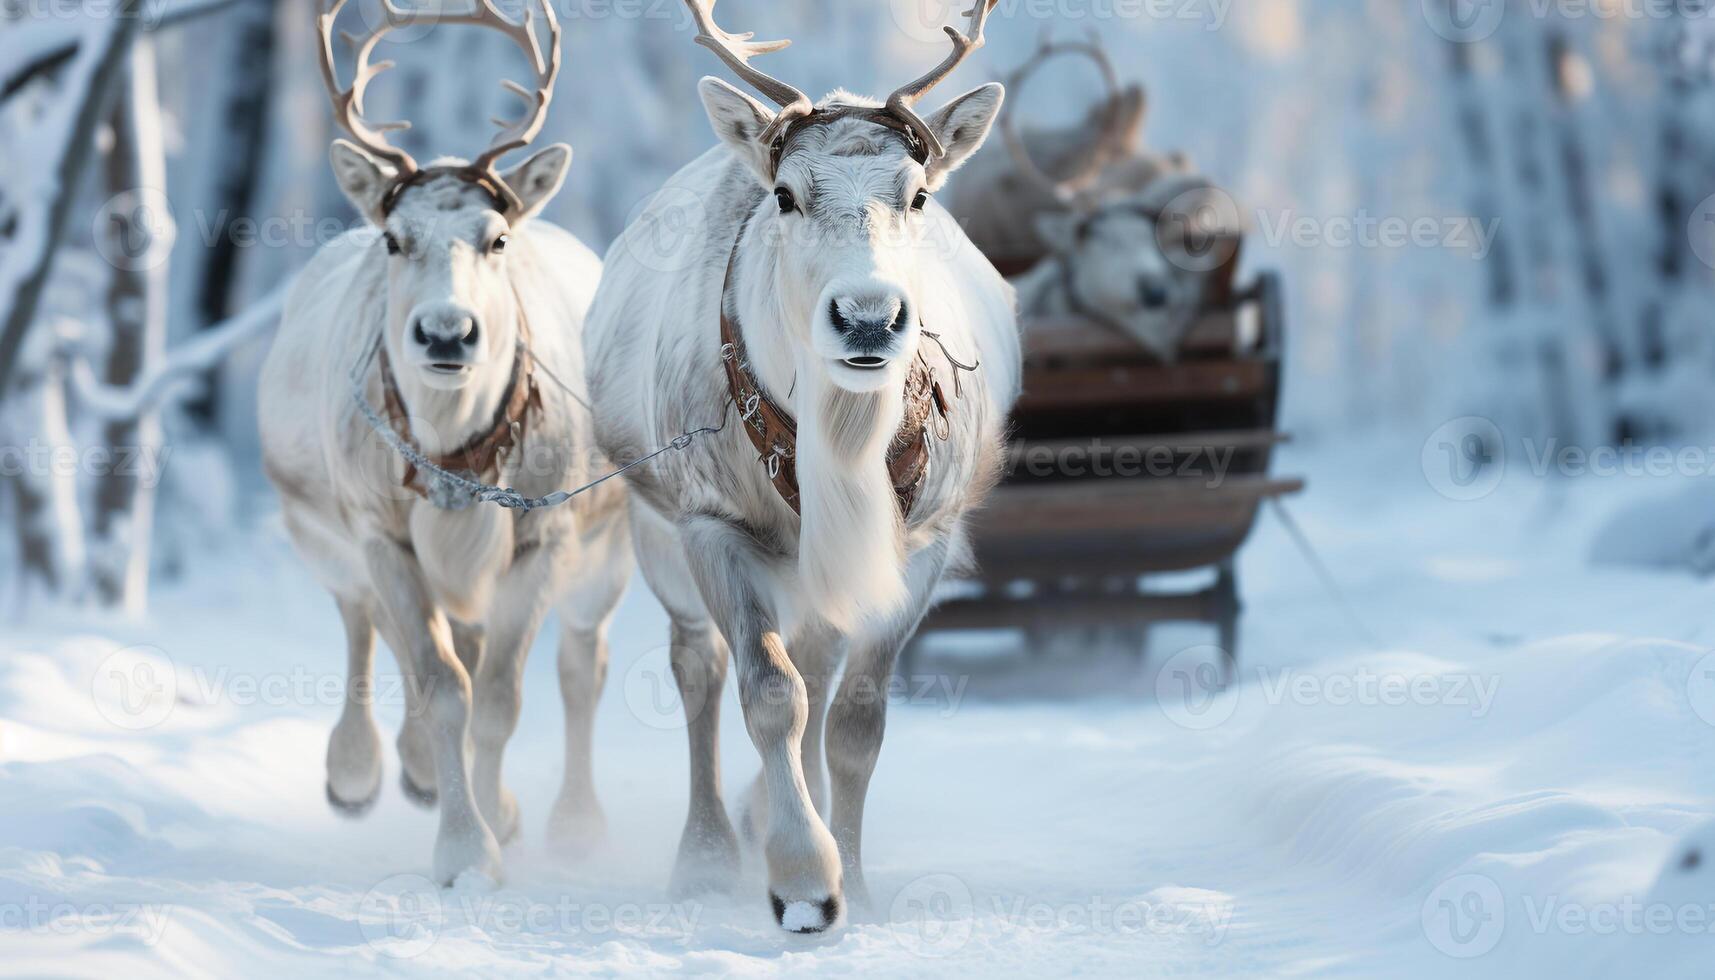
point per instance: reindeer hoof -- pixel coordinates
(424, 798)
(351, 810)
(805, 917)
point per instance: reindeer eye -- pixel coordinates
(498, 246)
(392, 244)
(783, 197)
(921, 201)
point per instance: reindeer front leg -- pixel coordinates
(803, 861)
(354, 748)
(857, 718)
(516, 617)
(464, 842)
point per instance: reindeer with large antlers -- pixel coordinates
(806, 270)
(459, 317)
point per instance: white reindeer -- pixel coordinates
(1007, 186)
(453, 313)
(1141, 263)
(1118, 235)
(805, 267)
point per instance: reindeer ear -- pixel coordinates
(362, 177)
(537, 180)
(739, 121)
(1129, 108)
(962, 125)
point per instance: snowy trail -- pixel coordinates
(1494, 793)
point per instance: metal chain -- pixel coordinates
(455, 491)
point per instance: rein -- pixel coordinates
(449, 488)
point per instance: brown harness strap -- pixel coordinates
(827, 114)
(484, 453)
(774, 433)
(470, 175)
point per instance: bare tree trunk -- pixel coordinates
(1473, 126)
(44, 488)
(23, 277)
(139, 239)
(235, 168)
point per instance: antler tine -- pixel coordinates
(546, 64)
(902, 100)
(348, 102)
(737, 50)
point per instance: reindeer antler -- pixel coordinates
(348, 103)
(903, 99)
(520, 132)
(737, 50)
(1069, 188)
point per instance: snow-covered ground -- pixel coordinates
(1517, 779)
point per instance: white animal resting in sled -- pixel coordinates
(453, 315)
(825, 306)
(1092, 226)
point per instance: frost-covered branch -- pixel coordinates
(42, 218)
(41, 47)
(172, 378)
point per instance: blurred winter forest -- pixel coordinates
(163, 172)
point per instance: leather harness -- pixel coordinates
(771, 429)
(484, 453)
(774, 433)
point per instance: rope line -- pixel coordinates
(455, 491)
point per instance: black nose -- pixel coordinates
(866, 334)
(1152, 294)
(443, 338)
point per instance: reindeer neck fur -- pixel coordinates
(851, 538)
(444, 421)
